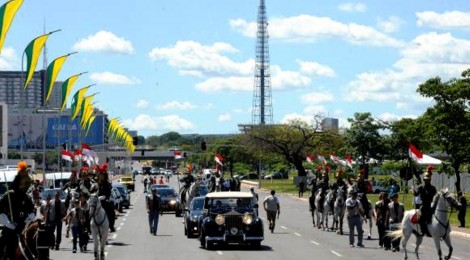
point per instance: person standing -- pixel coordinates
(463, 209)
(154, 208)
(145, 184)
(255, 199)
(354, 213)
(16, 211)
(396, 213)
(54, 213)
(272, 208)
(74, 217)
(301, 188)
(382, 218)
(427, 193)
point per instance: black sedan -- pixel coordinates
(192, 217)
(170, 201)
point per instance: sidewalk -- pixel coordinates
(459, 232)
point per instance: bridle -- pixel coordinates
(448, 199)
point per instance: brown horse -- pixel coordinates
(29, 245)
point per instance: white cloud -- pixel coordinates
(392, 24)
(352, 7)
(195, 59)
(142, 104)
(452, 19)
(427, 56)
(145, 122)
(315, 110)
(315, 69)
(176, 105)
(8, 59)
(315, 98)
(104, 41)
(242, 110)
(307, 28)
(110, 78)
(224, 117)
(389, 117)
(297, 117)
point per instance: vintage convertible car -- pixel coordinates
(229, 217)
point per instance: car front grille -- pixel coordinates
(233, 221)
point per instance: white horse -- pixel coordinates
(327, 208)
(439, 228)
(339, 210)
(99, 225)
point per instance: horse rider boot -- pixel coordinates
(16, 212)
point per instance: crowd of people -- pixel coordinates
(21, 205)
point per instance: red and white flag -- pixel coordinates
(349, 161)
(67, 156)
(77, 155)
(86, 149)
(310, 158)
(219, 159)
(178, 155)
(322, 159)
(334, 158)
(414, 153)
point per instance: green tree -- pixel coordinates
(448, 121)
(364, 138)
(14, 155)
(403, 132)
(291, 142)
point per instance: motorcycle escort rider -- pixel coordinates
(427, 192)
(16, 211)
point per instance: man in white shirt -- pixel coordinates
(354, 213)
(271, 205)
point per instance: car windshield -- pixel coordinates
(197, 204)
(127, 179)
(203, 190)
(121, 189)
(166, 192)
(52, 192)
(224, 203)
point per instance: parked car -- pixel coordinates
(125, 195)
(116, 199)
(277, 176)
(51, 192)
(156, 186)
(192, 216)
(128, 181)
(170, 201)
(229, 217)
(252, 176)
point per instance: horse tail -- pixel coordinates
(395, 234)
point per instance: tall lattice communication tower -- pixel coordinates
(262, 101)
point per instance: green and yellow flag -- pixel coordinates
(7, 13)
(89, 123)
(33, 52)
(52, 72)
(87, 112)
(67, 87)
(77, 101)
(112, 124)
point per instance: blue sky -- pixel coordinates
(188, 66)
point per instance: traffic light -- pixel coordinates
(203, 145)
(135, 140)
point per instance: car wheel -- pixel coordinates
(120, 208)
(202, 239)
(209, 245)
(256, 245)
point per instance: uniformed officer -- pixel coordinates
(16, 211)
(427, 192)
(361, 187)
(104, 192)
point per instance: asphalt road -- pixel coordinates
(294, 238)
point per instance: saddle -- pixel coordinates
(415, 217)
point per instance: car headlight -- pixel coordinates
(247, 219)
(220, 220)
(172, 202)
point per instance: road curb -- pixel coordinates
(460, 234)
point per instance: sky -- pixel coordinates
(188, 65)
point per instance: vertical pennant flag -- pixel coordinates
(67, 156)
(322, 159)
(77, 101)
(77, 155)
(86, 149)
(7, 13)
(349, 161)
(310, 158)
(33, 52)
(219, 159)
(52, 72)
(88, 124)
(414, 153)
(67, 87)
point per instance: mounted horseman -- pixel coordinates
(187, 181)
(16, 211)
(427, 192)
(104, 193)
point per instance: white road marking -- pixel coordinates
(336, 253)
(283, 227)
(121, 224)
(297, 234)
(458, 258)
(315, 243)
(114, 236)
(220, 253)
(118, 228)
(123, 219)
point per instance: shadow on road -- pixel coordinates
(237, 247)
